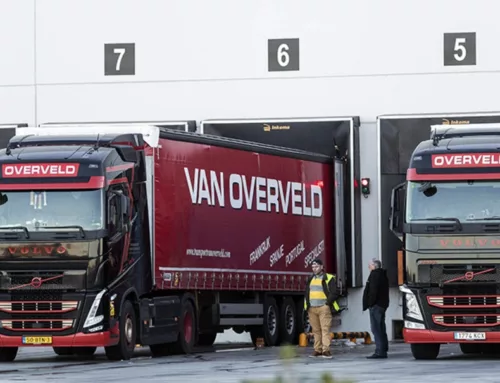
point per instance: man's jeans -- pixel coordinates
(377, 321)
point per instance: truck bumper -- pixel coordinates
(430, 336)
(98, 339)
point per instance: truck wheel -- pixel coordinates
(63, 351)
(425, 351)
(288, 322)
(207, 339)
(271, 322)
(8, 354)
(128, 334)
(187, 332)
(84, 351)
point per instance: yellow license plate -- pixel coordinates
(37, 340)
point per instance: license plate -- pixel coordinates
(37, 340)
(470, 336)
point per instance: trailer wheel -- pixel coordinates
(425, 351)
(63, 351)
(187, 333)
(128, 328)
(271, 322)
(288, 321)
(8, 354)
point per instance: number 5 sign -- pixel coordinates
(283, 55)
(119, 59)
(459, 48)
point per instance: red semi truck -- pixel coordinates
(112, 236)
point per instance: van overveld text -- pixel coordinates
(469, 160)
(253, 193)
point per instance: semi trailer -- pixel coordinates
(113, 236)
(447, 215)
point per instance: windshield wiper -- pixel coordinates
(23, 228)
(65, 227)
(442, 219)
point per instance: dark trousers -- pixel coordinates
(377, 321)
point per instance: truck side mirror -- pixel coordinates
(396, 216)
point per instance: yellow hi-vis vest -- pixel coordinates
(335, 305)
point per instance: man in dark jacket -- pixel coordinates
(376, 299)
(320, 300)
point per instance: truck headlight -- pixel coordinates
(92, 319)
(412, 307)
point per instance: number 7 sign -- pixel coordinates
(119, 59)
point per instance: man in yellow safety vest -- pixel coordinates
(320, 300)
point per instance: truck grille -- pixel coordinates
(25, 280)
(463, 273)
(37, 324)
(30, 307)
(38, 315)
(466, 320)
(464, 301)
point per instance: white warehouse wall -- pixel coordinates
(198, 59)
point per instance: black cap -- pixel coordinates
(318, 261)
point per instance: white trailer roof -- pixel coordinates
(150, 134)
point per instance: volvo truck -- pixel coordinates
(447, 216)
(113, 236)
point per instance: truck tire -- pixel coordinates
(128, 335)
(187, 332)
(207, 339)
(425, 351)
(288, 322)
(8, 354)
(270, 327)
(63, 351)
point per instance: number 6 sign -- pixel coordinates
(459, 48)
(283, 55)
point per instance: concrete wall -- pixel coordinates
(196, 59)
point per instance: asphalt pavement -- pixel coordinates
(243, 363)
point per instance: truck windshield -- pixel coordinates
(36, 209)
(463, 200)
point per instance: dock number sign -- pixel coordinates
(283, 55)
(119, 59)
(459, 48)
